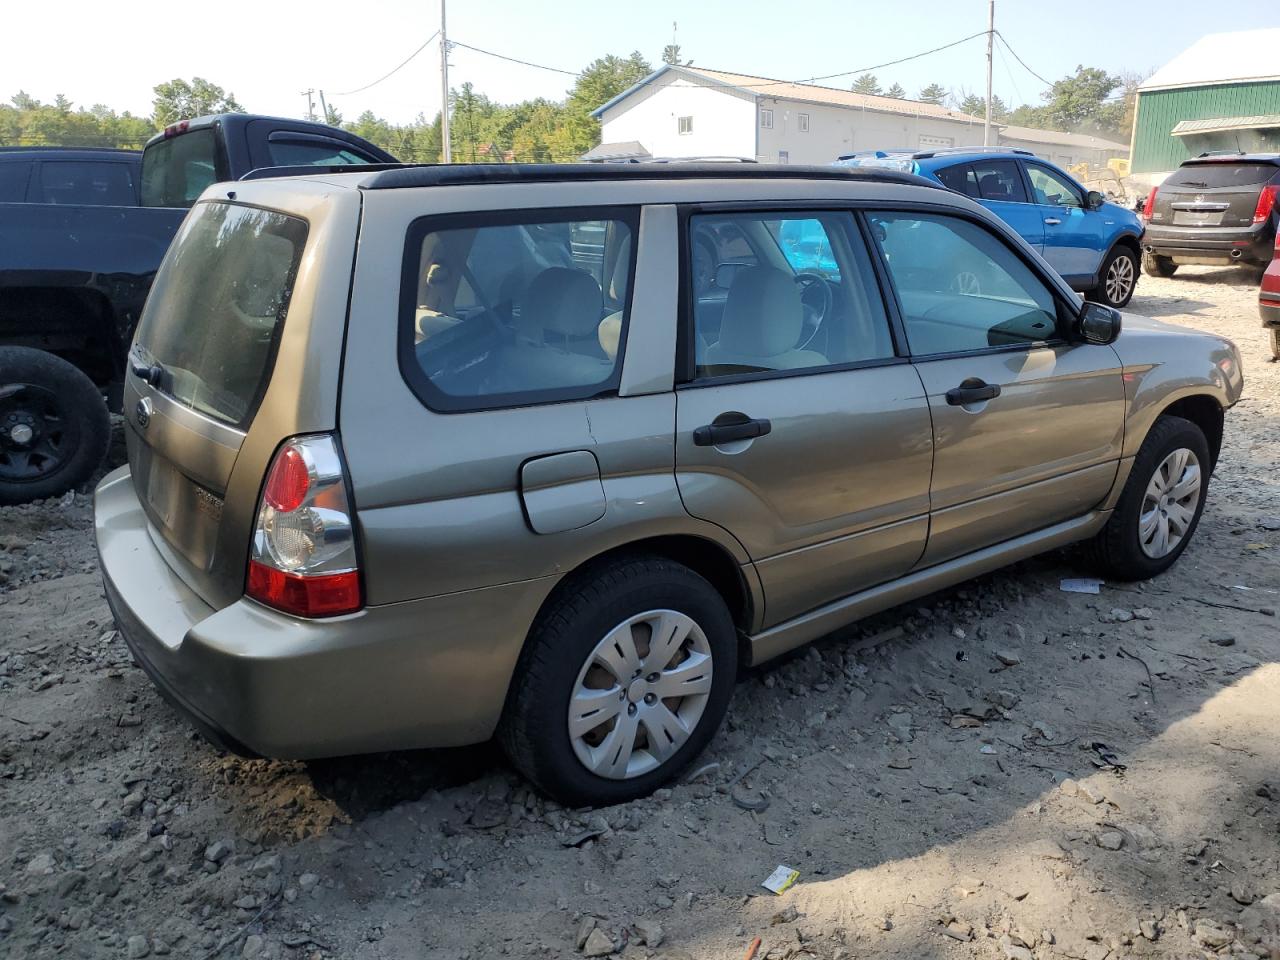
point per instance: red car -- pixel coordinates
(1269, 301)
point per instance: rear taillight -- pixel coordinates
(1149, 207)
(1266, 203)
(303, 560)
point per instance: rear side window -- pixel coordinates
(176, 171)
(214, 315)
(290, 153)
(1206, 176)
(960, 287)
(511, 311)
(86, 182)
(13, 181)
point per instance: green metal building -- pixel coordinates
(1221, 93)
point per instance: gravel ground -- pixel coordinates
(1002, 770)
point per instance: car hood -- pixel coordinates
(1195, 357)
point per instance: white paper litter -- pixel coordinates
(780, 879)
(1081, 585)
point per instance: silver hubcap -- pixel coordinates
(1169, 505)
(640, 694)
(1119, 279)
(21, 433)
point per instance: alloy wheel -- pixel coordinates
(1119, 279)
(640, 694)
(1169, 504)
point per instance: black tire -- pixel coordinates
(1124, 263)
(1154, 266)
(534, 728)
(54, 427)
(1116, 550)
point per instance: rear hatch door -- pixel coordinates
(1212, 193)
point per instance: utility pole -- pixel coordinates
(446, 153)
(324, 107)
(991, 36)
(311, 109)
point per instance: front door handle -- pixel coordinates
(729, 427)
(973, 390)
(1052, 221)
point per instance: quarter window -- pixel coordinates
(961, 288)
(517, 311)
(774, 293)
(1051, 188)
(766, 119)
(685, 125)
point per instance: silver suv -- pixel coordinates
(423, 455)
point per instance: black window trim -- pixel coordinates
(416, 379)
(686, 361)
(1065, 306)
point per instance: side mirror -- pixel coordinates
(1097, 324)
(1093, 199)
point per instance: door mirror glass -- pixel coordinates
(1098, 324)
(1093, 199)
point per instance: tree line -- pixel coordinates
(537, 130)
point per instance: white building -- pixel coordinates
(693, 112)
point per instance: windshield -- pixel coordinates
(219, 301)
(176, 171)
(1206, 176)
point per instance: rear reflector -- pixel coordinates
(317, 595)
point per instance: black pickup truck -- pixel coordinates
(82, 233)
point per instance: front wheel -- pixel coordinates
(625, 677)
(1119, 279)
(1160, 507)
(54, 427)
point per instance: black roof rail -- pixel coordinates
(303, 170)
(390, 177)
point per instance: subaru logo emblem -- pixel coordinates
(142, 413)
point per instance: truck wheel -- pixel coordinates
(625, 677)
(54, 427)
(1161, 504)
(1119, 279)
(1154, 266)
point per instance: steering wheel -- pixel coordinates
(817, 298)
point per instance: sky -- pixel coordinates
(267, 52)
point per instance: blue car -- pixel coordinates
(1094, 244)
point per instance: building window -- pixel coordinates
(685, 125)
(804, 123)
(766, 119)
(784, 156)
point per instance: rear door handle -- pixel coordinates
(1052, 221)
(973, 390)
(729, 427)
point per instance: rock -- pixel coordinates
(1144, 613)
(1014, 951)
(1069, 787)
(785, 915)
(41, 865)
(1006, 699)
(597, 944)
(307, 882)
(900, 724)
(1007, 657)
(649, 932)
(1210, 934)
(1047, 850)
(663, 902)
(72, 879)
(1262, 919)
(1221, 639)
(1269, 523)
(131, 804)
(1087, 791)
(584, 930)
(900, 761)
(1149, 930)
(1242, 893)
(489, 814)
(968, 885)
(219, 850)
(1111, 840)
(1120, 615)
(137, 946)
(254, 945)
(266, 865)
(958, 930)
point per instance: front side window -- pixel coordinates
(1051, 188)
(774, 293)
(101, 184)
(960, 288)
(505, 313)
(685, 125)
(766, 119)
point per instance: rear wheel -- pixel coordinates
(1119, 279)
(626, 676)
(54, 427)
(1275, 343)
(1154, 266)
(1160, 507)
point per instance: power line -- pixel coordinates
(347, 93)
(526, 63)
(1047, 83)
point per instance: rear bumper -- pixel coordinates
(1269, 303)
(1211, 245)
(424, 673)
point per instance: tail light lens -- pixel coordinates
(303, 560)
(1266, 203)
(1149, 207)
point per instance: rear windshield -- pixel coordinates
(176, 171)
(215, 312)
(1205, 176)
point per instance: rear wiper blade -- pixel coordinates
(1194, 183)
(151, 373)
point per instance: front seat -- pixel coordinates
(559, 315)
(761, 324)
